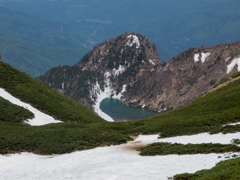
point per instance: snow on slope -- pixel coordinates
(118, 71)
(39, 119)
(135, 40)
(196, 57)
(114, 162)
(151, 62)
(233, 64)
(204, 56)
(107, 93)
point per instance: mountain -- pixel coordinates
(44, 98)
(128, 68)
(82, 129)
(173, 25)
(34, 45)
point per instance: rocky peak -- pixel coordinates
(117, 54)
(128, 68)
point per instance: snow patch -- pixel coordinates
(144, 105)
(107, 74)
(120, 70)
(152, 70)
(232, 124)
(39, 119)
(101, 95)
(114, 162)
(150, 61)
(119, 96)
(196, 57)
(135, 100)
(135, 40)
(107, 93)
(227, 59)
(204, 56)
(233, 64)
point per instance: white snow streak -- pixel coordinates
(120, 70)
(227, 59)
(233, 64)
(204, 56)
(143, 106)
(135, 40)
(107, 93)
(196, 57)
(114, 162)
(151, 62)
(39, 119)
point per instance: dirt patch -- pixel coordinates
(134, 146)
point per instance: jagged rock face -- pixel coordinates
(107, 70)
(190, 74)
(128, 68)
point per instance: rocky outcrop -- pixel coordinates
(128, 68)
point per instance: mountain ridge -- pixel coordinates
(149, 83)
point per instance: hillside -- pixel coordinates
(205, 114)
(34, 45)
(42, 97)
(128, 68)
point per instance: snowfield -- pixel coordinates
(120, 162)
(233, 64)
(39, 119)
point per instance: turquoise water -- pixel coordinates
(119, 111)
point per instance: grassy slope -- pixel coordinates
(224, 170)
(44, 97)
(13, 113)
(205, 114)
(176, 148)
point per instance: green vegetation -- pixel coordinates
(226, 129)
(176, 148)
(43, 97)
(56, 138)
(225, 80)
(205, 114)
(34, 58)
(223, 170)
(34, 45)
(13, 113)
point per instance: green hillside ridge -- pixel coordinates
(84, 130)
(180, 149)
(43, 97)
(205, 114)
(223, 170)
(13, 113)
